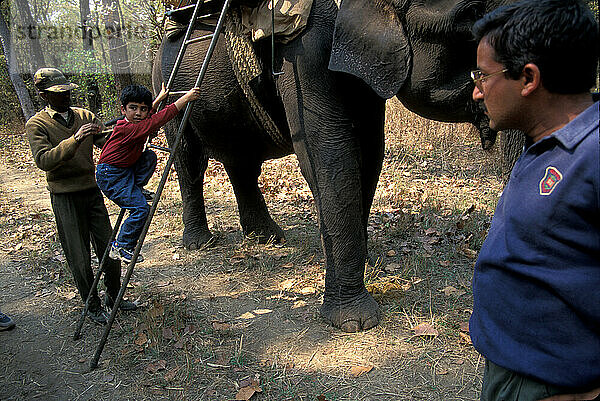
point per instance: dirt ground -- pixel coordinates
(240, 320)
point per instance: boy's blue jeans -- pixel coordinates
(124, 187)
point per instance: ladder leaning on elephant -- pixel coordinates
(329, 105)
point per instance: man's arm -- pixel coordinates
(48, 157)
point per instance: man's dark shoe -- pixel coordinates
(149, 195)
(6, 323)
(98, 315)
(124, 306)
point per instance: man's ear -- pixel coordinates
(531, 78)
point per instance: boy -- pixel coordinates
(124, 167)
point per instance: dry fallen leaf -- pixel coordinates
(464, 338)
(358, 370)
(69, 295)
(391, 253)
(167, 333)
(245, 393)
(170, 375)
(247, 315)
(464, 326)
(299, 304)
(155, 367)
(262, 311)
(425, 329)
(432, 231)
(189, 329)
(287, 284)
(221, 326)
(308, 290)
(156, 311)
(450, 290)
(393, 267)
(469, 253)
(141, 339)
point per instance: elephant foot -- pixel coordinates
(351, 314)
(193, 240)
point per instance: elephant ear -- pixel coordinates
(370, 42)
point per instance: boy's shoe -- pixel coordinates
(98, 315)
(124, 306)
(149, 195)
(118, 252)
(6, 323)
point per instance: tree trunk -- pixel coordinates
(17, 82)
(86, 30)
(36, 58)
(116, 43)
(92, 90)
(511, 144)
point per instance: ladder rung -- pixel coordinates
(177, 93)
(208, 16)
(184, 8)
(159, 148)
(199, 39)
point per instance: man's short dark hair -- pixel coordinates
(559, 36)
(136, 93)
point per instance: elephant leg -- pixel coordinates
(191, 163)
(327, 143)
(254, 216)
(370, 128)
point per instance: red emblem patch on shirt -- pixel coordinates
(550, 180)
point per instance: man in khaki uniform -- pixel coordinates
(61, 139)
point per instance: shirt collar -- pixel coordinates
(575, 131)
(54, 114)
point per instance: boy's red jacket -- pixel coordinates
(126, 144)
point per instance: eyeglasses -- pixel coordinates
(479, 77)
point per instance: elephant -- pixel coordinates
(329, 104)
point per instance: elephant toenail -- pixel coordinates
(350, 326)
(370, 323)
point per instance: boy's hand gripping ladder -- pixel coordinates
(186, 41)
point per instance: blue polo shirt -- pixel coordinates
(536, 286)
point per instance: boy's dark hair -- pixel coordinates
(136, 93)
(559, 36)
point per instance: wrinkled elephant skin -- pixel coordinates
(331, 102)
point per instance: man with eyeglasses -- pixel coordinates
(536, 286)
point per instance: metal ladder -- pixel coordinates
(186, 41)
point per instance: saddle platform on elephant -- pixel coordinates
(290, 17)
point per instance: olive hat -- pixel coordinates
(52, 80)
